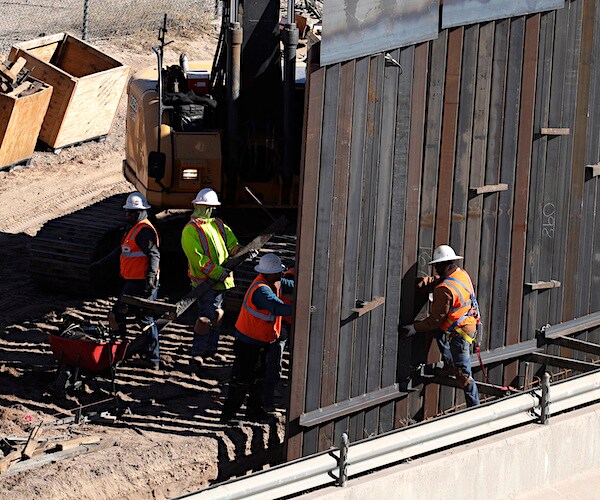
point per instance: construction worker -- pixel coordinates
(258, 326)
(139, 258)
(453, 318)
(274, 356)
(208, 242)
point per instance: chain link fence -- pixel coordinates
(22, 20)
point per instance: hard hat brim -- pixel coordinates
(196, 202)
(263, 270)
(445, 259)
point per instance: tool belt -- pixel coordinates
(459, 332)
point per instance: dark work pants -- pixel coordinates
(246, 378)
(145, 344)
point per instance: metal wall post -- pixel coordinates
(545, 401)
(290, 43)
(84, 28)
(343, 462)
(235, 33)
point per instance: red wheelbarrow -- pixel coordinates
(85, 352)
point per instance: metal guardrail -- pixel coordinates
(535, 406)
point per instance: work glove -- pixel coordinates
(252, 254)
(151, 284)
(409, 330)
(224, 274)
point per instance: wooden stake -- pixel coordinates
(31, 442)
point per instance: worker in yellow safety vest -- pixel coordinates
(453, 318)
(207, 243)
(257, 328)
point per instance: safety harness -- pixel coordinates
(473, 309)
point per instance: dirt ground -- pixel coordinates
(168, 441)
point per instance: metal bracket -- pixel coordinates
(343, 461)
(544, 397)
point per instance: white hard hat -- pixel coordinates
(207, 196)
(444, 253)
(269, 264)
(136, 201)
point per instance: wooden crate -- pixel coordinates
(20, 123)
(87, 87)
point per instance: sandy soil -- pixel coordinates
(169, 441)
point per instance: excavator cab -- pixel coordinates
(230, 125)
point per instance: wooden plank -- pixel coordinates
(305, 260)
(425, 350)
(507, 175)
(536, 224)
(492, 188)
(555, 131)
(8, 460)
(76, 442)
(521, 195)
(365, 307)
(314, 376)
(349, 334)
(410, 247)
(341, 174)
(32, 442)
(448, 145)
(492, 339)
(543, 285)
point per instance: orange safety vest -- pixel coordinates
(464, 309)
(134, 262)
(290, 274)
(256, 323)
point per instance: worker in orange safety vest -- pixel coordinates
(258, 326)
(453, 318)
(139, 258)
(274, 357)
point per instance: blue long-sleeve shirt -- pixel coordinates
(266, 299)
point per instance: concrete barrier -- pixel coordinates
(500, 466)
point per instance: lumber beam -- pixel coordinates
(364, 307)
(555, 131)
(32, 442)
(490, 188)
(543, 285)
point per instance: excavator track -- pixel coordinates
(64, 248)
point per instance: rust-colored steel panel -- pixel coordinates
(394, 145)
(521, 189)
(304, 267)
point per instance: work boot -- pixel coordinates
(233, 403)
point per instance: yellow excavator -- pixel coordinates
(234, 126)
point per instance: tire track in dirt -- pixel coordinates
(30, 216)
